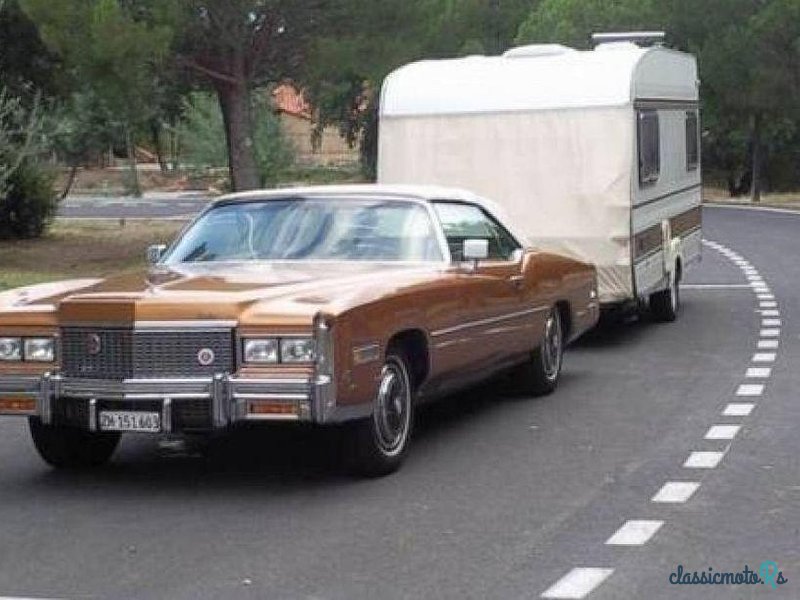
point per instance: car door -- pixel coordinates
(500, 323)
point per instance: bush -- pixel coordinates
(29, 204)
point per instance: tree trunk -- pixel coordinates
(155, 134)
(73, 171)
(755, 140)
(234, 100)
(135, 188)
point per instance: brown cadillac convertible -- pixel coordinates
(328, 305)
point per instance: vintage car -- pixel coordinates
(328, 305)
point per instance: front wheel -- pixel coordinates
(540, 375)
(70, 448)
(380, 442)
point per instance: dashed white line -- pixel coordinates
(738, 409)
(634, 533)
(758, 372)
(676, 492)
(771, 323)
(766, 345)
(578, 583)
(768, 304)
(765, 357)
(765, 296)
(703, 460)
(750, 389)
(770, 332)
(722, 432)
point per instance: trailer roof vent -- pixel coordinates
(536, 50)
(640, 38)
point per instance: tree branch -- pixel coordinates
(211, 73)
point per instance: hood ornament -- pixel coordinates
(205, 357)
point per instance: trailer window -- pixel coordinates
(649, 147)
(692, 141)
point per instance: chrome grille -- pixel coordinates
(147, 354)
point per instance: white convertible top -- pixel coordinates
(541, 77)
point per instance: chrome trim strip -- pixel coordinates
(249, 417)
(212, 326)
(269, 396)
(489, 321)
(166, 416)
(93, 414)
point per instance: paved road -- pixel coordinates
(500, 498)
(151, 205)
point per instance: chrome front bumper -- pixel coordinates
(231, 399)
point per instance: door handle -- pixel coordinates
(517, 280)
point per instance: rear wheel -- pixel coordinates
(70, 448)
(665, 305)
(380, 443)
(541, 373)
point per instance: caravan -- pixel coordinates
(594, 154)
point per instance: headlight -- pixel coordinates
(40, 349)
(297, 350)
(10, 349)
(264, 351)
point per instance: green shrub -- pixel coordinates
(29, 203)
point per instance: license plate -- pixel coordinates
(115, 420)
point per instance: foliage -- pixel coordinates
(202, 137)
(29, 203)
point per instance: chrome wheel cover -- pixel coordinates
(552, 346)
(392, 415)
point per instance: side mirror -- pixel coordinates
(155, 252)
(475, 250)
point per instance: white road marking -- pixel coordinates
(634, 533)
(770, 333)
(766, 345)
(675, 492)
(758, 373)
(771, 323)
(578, 583)
(750, 389)
(768, 304)
(770, 312)
(722, 432)
(765, 296)
(703, 460)
(755, 278)
(765, 357)
(714, 286)
(738, 409)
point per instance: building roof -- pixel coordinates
(288, 99)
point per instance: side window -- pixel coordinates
(692, 141)
(649, 147)
(467, 221)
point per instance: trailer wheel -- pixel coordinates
(665, 305)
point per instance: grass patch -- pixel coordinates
(75, 248)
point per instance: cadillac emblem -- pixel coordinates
(93, 344)
(205, 357)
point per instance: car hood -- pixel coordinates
(249, 293)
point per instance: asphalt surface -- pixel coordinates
(500, 498)
(175, 205)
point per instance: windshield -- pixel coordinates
(311, 229)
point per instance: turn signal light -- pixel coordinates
(270, 408)
(18, 405)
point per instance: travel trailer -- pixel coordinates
(594, 153)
